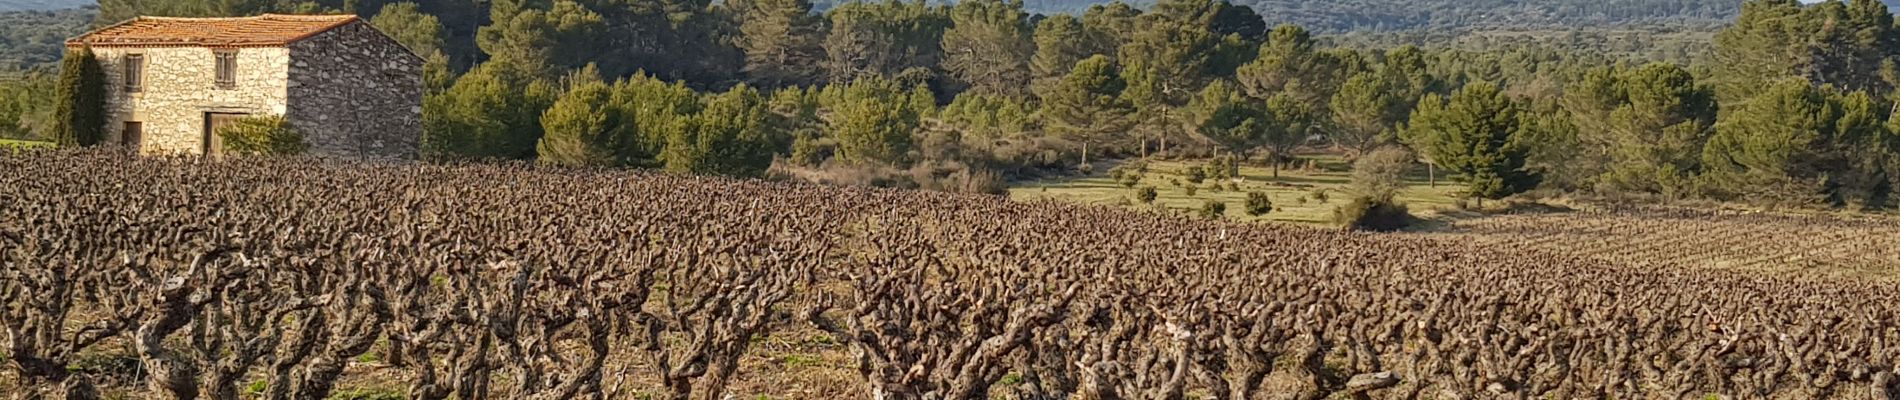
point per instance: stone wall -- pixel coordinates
(180, 87)
(355, 91)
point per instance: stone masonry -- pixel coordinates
(350, 90)
(351, 87)
(180, 87)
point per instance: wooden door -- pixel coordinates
(214, 144)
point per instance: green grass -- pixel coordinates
(1331, 175)
(23, 144)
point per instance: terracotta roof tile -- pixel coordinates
(262, 30)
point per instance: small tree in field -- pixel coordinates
(1258, 204)
(79, 117)
(1475, 133)
(1146, 194)
(1380, 173)
(267, 135)
(1212, 209)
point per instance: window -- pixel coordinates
(131, 134)
(227, 69)
(134, 72)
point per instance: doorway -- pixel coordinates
(214, 144)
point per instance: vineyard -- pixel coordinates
(253, 278)
(1641, 237)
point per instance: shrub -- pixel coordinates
(1321, 195)
(1258, 204)
(1130, 178)
(1147, 194)
(1175, 181)
(1190, 190)
(1213, 209)
(1372, 214)
(1196, 175)
(811, 148)
(1380, 174)
(266, 135)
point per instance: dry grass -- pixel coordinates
(1293, 192)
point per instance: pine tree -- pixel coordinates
(1229, 118)
(782, 41)
(732, 135)
(1476, 135)
(79, 114)
(579, 128)
(405, 22)
(988, 46)
(1778, 147)
(1087, 106)
(1366, 109)
(1293, 122)
(1060, 41)
(876, 122)
(883, 39)
(494, 111)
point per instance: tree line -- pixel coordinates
(1794, 108)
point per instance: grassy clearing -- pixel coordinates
(1297, 194)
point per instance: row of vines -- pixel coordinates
(507, 281)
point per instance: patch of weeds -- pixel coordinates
(369, 394)
(795, 361)
(256, 387)
(1012, 379)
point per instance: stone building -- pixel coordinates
(349, 89)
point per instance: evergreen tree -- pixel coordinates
(1229, 118)
(493, 111)
(405, 22)
(1290, 62)
(988, 46)
(782, 41)
(883, 39)
(1476, 135)
(79, 113)
(1782, 147)
(658, 110)
(1366, 109)
(732, 135)
(1111, 25)
(1646, 126)
(579, 128)
(875, 123)
(1293, 122)
(541, 42)
(1060, 41)
(1087, 106)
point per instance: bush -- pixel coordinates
(1213, 209)
(1191, 189)
(1130, 178)
(811, 148)
(267, 135)
(1147, 194)
(1196, 175)
(1372, 214)
(1380, 174)
(1321, 195)
(1258, 204)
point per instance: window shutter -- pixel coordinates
(227, 69)
(134, 72)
